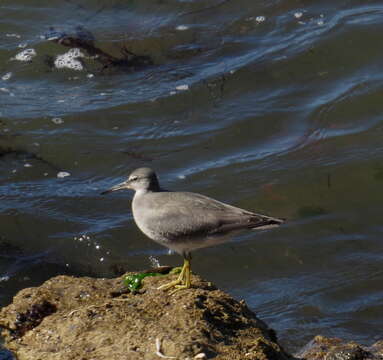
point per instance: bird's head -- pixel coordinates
(142, 179)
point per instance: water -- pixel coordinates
(273, 106)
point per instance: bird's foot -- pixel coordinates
(176, 270)
(182, 282)
(167, 286)
(179, 287)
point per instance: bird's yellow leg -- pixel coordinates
(186, 281)
(183, 280)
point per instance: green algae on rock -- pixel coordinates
(134, 282)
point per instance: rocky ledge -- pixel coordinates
(92, 319)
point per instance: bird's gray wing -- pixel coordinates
(187, 214)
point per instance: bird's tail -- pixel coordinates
(267, 222)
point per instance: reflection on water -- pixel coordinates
(273, 107)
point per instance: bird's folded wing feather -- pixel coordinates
(202, 216)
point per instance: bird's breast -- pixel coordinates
(143, 217)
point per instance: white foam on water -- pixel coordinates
(69, 60)
(25, 55)
(183, 87)
(17, 36)
(5, 90)
(260, 19)
(298, 15)
(154, 262)
(57, 121)
(51, 38)
(6, 76)
(63, 174)
(182, 27)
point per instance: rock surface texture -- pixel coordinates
(90, 319)
(323, 348)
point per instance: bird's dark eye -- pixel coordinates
(133, 178)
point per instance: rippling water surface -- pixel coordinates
(274, 106)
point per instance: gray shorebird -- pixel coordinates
(185, 221)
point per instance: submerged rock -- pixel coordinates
(86, 318)
(323, 348)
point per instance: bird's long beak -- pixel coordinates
(121, 186)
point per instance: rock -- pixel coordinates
(323, 348)
(90, 319)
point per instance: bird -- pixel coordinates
(185, 221)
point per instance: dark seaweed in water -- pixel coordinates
(83, 39)
(24, 154)
(7, 248)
